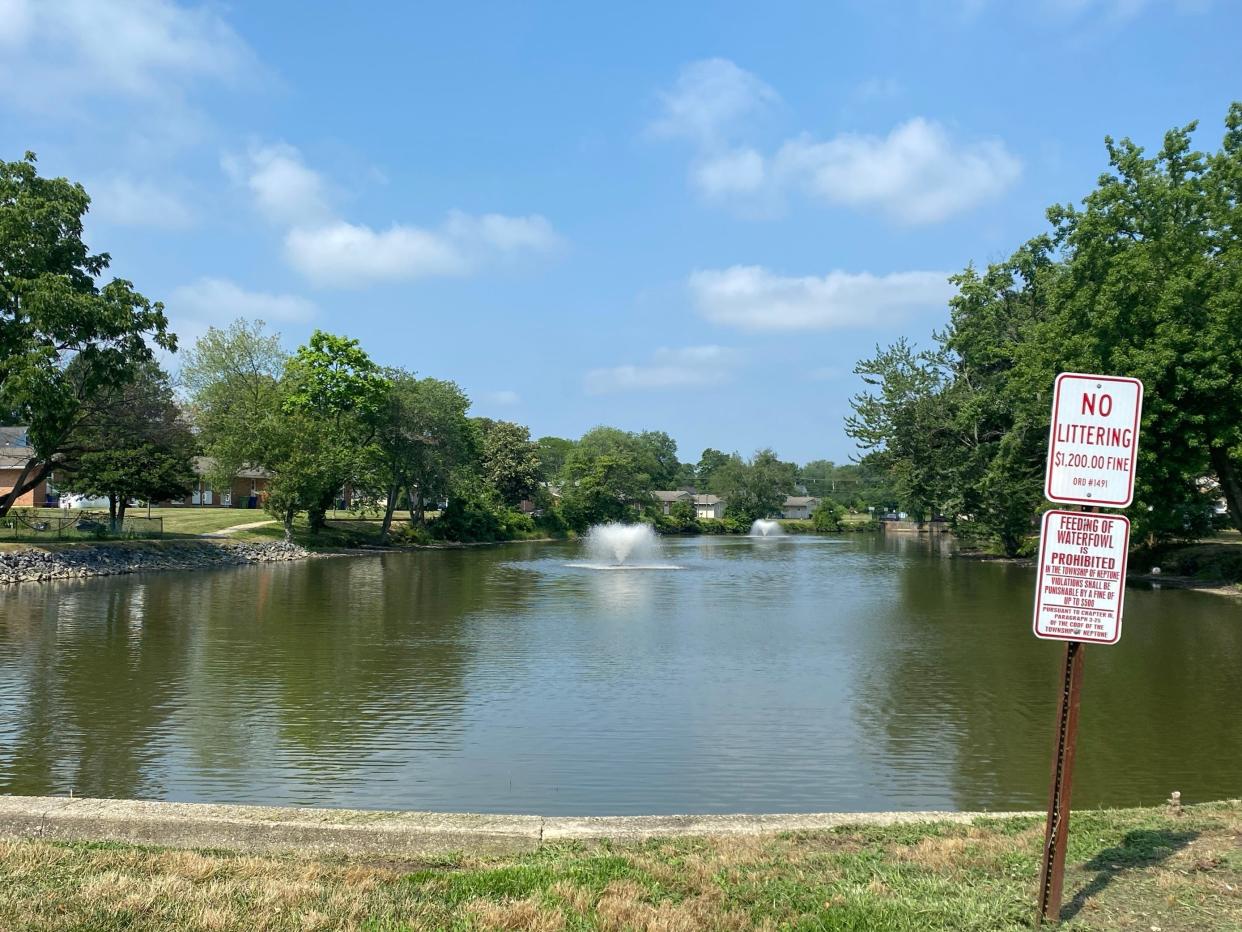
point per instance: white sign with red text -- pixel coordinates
(1082, 576)
(1093, 443)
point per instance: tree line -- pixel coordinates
(79, 367)
(1143, 279)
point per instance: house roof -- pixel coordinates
(708, 500)
(14, 437)
(799, 501)
(15, 449)
(671, 495)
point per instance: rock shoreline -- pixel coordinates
(114, 560)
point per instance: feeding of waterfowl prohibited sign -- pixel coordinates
(1082, 577)
(1093, 443)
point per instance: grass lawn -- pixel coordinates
(1129, 869)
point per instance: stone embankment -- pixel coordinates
(115, 559)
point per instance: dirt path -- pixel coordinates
(226, 531)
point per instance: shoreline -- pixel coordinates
(348, 832)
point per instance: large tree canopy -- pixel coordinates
(66, 338)
(1145, 280)
(143, 449)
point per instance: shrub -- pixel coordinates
(828, 516)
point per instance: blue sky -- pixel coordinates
(693, 218)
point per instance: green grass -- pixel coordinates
(1128, 869)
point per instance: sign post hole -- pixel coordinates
(1080, 590)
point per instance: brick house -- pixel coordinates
(15, 453)
(245, 491)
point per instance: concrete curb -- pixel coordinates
(263, 829)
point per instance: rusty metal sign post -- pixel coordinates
(1092, 448)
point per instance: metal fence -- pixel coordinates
(43, 524)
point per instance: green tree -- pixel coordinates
(508, 459)
(422, 436)
(232, 378)
(553, 451)
(709, 462)
(1145, 279)
(66, 339)
(143, 448)
(828, 516)
(754, 489)
(332, 398)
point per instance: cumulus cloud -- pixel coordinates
(709, 100)
(52, 52)
(126, 202)
(752, 298)
(345, 254)
(331, 251)
(687, 367)
(218, 299)
(918, 173)
(915, 174)
(284, 189)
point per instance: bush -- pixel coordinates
(409, 534)
(829, 516)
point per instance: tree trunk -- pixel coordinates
(121, 505)
(1229, 476)
(112, 512)
(287, 521)
(389, 509)
(32, 474)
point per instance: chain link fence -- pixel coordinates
(36, 524)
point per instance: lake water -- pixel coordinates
(793, 674)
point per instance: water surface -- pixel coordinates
(785, 674)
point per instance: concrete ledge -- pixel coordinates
(370, 832)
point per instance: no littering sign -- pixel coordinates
(1093, 443)
(1082, 575)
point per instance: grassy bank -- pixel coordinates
(1207, 563)
(1129, 869)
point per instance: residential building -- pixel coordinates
(665, 500)
(709, 506)
(245, 491)
(799, 507)
(15, 452)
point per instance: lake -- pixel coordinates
(764, 675)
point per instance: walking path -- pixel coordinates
(226, 531)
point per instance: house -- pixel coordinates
(799, 507)
(15, 452)
(709, 506)
(246, 490)
(666, 500)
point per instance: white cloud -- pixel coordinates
(710, 99)
(506, 398)
(737, 171)
(284, 189)
(915, 174)
(55, 51)
(688, 367)
(331, 251)
(126, 202)
(918, 173)
(344, 254)
(218, 299)
(506, 234)
(752, 298)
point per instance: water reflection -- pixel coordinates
(778, 674)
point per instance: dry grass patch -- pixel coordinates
(1130, 869)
